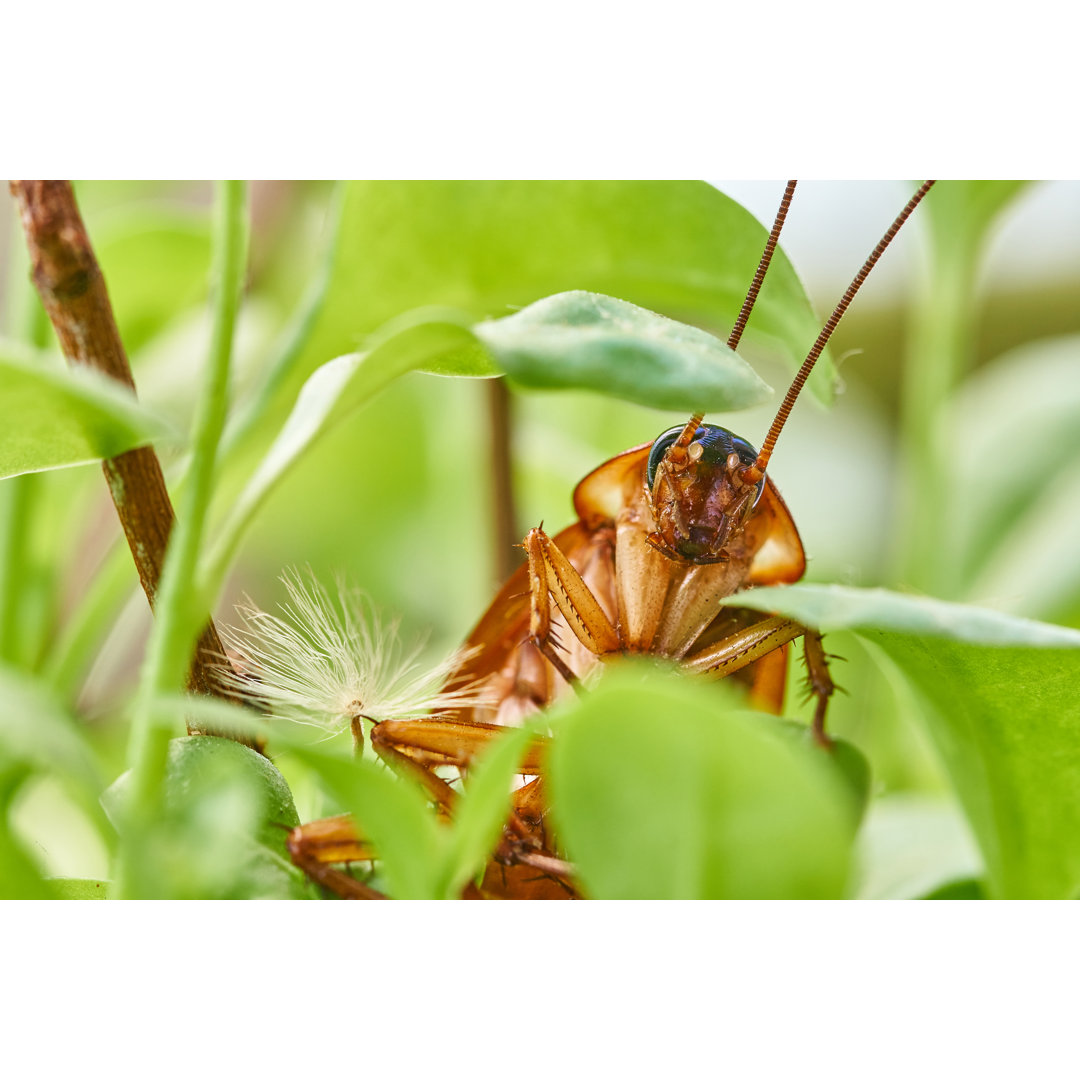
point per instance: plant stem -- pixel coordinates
(26, 322)
(83, 631)
(939, 354)
(293, 338)
(69, 280)
(15, 504)
(937, 357)
(179, 610)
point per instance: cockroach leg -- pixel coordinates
(820, 681)
(550, 650)
(558, 870)
(740, 649)
(313, 847)
(770, 681)
(435, 741)
(443, 795)
(415, 747)
(761, 642)
(552, 575)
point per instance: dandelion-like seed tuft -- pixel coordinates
(328, 660)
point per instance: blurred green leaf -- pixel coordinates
(481, 812)
(228, 812)
(20, 877)
(847, 762)
(156, 262)
(840, 607)
(660, 791)
(421, 856)
(80, 889)
(580, 340)
(330, 396)
(51, 418)
(1000, 508)
(1006, 724)
(910, 845)
(962, 889)
(489, 247)
(36, 730)
(393, 814)
(960, 211)
(571, 341)
(1002, 712)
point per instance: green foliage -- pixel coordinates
(80, 889)
(660, 791)
(1001, 707)
(997, 515)
(154, 258)
(50, 418)
(421, 858)
(490, 247)
(911, 845)
(38, 737)
(573, 341)
(226, 813)
(585, 341)
(659, 786)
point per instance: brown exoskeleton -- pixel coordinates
(666, 532)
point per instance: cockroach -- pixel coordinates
(666, 531)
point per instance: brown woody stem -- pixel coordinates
(68, 278)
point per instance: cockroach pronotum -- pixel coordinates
(666, 531)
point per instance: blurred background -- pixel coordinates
(399, 500)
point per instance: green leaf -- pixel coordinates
(1006, 724)
(51, 418)
(962, 889)
(659, 790)
(422, 858)
(489, 247)
(848, 763)
(481, 812)
(580, 340)
(1000, 508)
(20, 876)
(37, 730)
(912, 844)
(961, 211)
(156, 262)
(332, 395)
(228, 812)
(840, 607)
(393, 814)
(1001, 710)
(80, 889)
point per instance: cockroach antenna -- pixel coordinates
(736, 334)
(752, 474)
(763, 266)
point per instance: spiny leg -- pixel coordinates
(448, 742)
(757, 641)
(743, 647)
(820, 682)
(553, 576)
(416, 747)
(769, 681)
(313, 847)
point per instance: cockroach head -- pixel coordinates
(697, 493)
